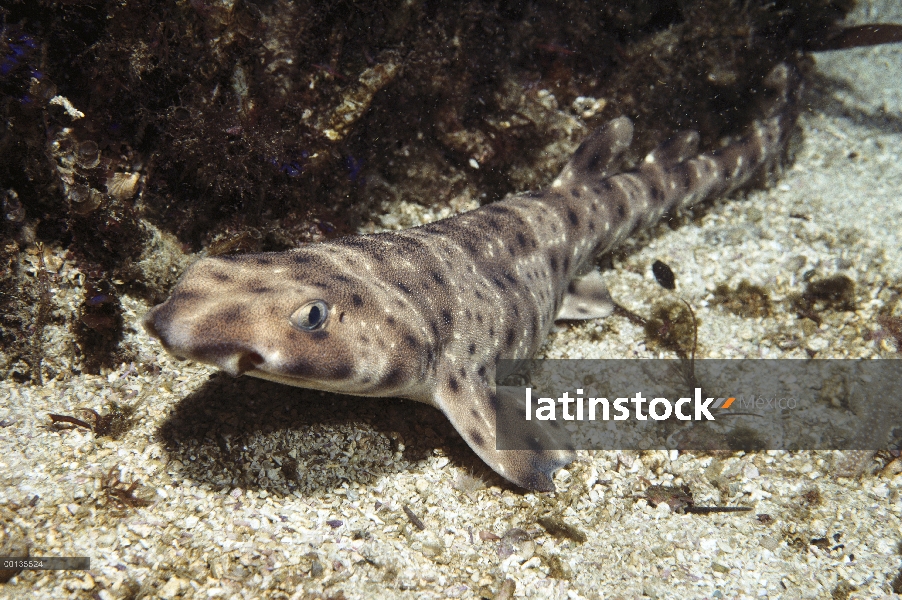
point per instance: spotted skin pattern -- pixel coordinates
(426, 313)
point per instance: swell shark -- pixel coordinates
(426, 313)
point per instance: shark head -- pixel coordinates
(299, 318)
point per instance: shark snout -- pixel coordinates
(150, 325)
(231, 355)
(159, 327)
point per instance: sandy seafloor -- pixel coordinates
(257, 490)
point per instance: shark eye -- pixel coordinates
(311, 316)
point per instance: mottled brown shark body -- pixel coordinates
(427, 313)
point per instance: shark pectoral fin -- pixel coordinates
(600, 153)
(474, 411)
(587, 298)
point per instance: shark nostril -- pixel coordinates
(249, 361)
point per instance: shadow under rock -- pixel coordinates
(254, 434)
